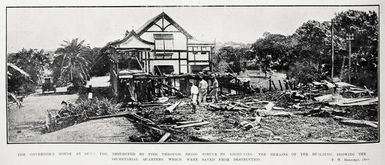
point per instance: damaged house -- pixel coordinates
(160, 47)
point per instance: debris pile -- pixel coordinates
(321, 112)
(280, 116)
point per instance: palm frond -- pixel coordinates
(21, 71)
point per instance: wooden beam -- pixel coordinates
(193, 125)
(187, 54)
(179, 62)
(172, 107)
(141, 67)
(109, 116)
(149, 62)
(188, 122)
(360, 123)
(173, 88)
(164, 137)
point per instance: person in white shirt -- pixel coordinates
(215, 89)
(194, 96)
(203, 85)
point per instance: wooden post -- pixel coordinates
(270, 84)
(342, 68)
(275, 88)
(179, 66)
(288, 85)
(280, 85)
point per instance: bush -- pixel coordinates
(305, 72)
(362, 78)
(80, 112)
(96, 107)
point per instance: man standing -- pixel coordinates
(215, 89)
(202, 90)
(89, 90)
(194, 96)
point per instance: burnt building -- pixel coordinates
(160, 47)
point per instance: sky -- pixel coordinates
(46, 28)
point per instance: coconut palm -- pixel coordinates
(71, 64)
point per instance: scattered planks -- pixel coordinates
(323, 112)
(269, 106)
(241, 104)
(172, 107)
(245, 125)
(363, 123)
(203, 139)
(357, 102)
(193, 124)
(110, 116)
(343, 102)
(178, 92)
(215, 107)
(264, 113)
(188, 122)
(164, 137)
(152, 104)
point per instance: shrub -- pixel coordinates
(96, 107)
(305, 72)
(80, 112)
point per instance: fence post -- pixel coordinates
(280, 85)
(289, 85)
(270, 83)
(275, 88)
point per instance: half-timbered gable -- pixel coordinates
(161, 47)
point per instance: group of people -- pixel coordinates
(199, 93)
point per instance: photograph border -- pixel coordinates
(195, 6)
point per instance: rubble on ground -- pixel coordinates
(324, 113)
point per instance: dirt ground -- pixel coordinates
(110, 130)
(25, 124)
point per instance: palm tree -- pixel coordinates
(71, 63)
(18, 70)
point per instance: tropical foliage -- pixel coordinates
(311, 45)
(229, 59)
(25, 69)
(71, 64)
(12, 72)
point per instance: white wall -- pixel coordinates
(180, 40)
(174, 63)
(198, 56)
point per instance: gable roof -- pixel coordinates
(130, 34)
(153, 21)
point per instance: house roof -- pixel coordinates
(153, 21)
(128, 36)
